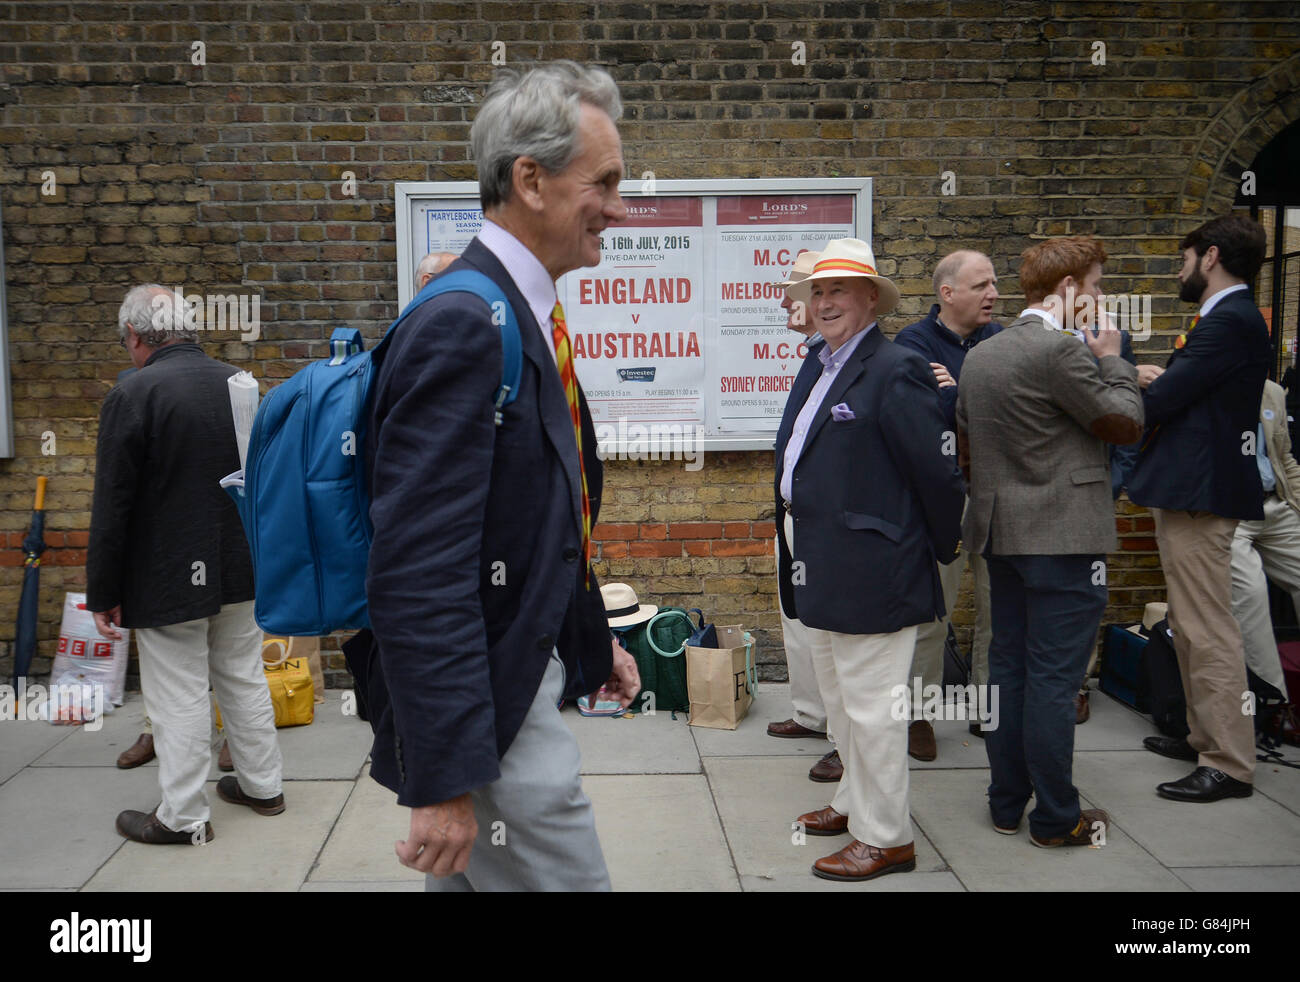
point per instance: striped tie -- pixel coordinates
(564, 362)
(1181, 340)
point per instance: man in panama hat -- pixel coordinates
(867, 501)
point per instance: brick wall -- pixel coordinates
(228, 176)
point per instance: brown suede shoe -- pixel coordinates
(228, 789)
(858, 861)
(139, 827)
(789, 729)
(920, 741)
(828, 770)
(1081, 710)
(1080, 835)
(140, 752)
(224, 763)
(824, 821)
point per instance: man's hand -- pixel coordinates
(441, 837)
(1148, 374)
(1106, 341)
(105, 621)
(941, 375)
(624, 681)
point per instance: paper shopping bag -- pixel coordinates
(721, 681)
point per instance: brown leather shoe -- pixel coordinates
(228, 789)
(858, 861)
(789, 729)
(1081, 710)
(140, 752)
(224, 763)
(824, 821)
(1080, 835)
(920, 741)
(139, 827)
(828, 770)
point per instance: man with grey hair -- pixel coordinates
(484, 609)
(430, 266)
(168, 558)
(966, 288)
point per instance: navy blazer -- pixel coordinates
(475, 573)
(1202, 414)
(934, 342)
(876, 498)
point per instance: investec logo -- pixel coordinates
(74, 936)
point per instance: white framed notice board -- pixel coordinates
(680, 325)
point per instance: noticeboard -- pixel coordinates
(679, 328)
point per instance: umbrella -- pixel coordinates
(33, 546)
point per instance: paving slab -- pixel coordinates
(1254, 831)
(952, 808)
(360, 847)
(640, 744)
(759, 798)
(750, 739)
(63, 817)
(25, 740)
(894, 883)
(99, 748)
(248, 852)
(1282, 784)
(1112, 725)
(1241, 879)
(660, 832)
(333, 748)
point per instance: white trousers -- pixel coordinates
(805, 696)
(1270, 547)
(857, 675)
(176, 664)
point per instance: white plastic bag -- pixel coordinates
(86, 658)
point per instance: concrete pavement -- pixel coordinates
(678, 808)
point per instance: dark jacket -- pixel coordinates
(475, 572)
(936, 343)
(876, 498)
(1201, 418)
(166, 437)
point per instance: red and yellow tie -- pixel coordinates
(564, 362)
(1182, 338)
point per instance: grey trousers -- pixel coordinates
(536, 827)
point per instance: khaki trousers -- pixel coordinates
(805, 697)
(1196, 553)
(858, 675)
(1271, 547)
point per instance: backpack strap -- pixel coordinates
(503, 315)
(345, 342)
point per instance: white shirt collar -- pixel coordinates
(1214, 300)
(527, 271)
(1046, 315)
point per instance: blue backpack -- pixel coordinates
(304, 501)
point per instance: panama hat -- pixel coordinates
(803, 265)
(622, 608)
(843, 258)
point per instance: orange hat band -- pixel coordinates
(849, 265)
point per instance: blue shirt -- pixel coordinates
(935, 342)
(831, 365)
(1265, 465)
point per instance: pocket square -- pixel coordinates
(842, 413)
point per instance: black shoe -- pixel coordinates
(976, 729)
(140, 827)
(1205, 784)
(1176, 747)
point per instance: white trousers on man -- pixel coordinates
(177, 662)
(858, 675)
(1270, 547)
(805, 695)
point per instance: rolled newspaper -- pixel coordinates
(243, 406)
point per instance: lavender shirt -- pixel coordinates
(831, 365)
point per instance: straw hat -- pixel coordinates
(803, 265)
(622, 608)
(844, 258)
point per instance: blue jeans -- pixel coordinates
(1046, 610)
